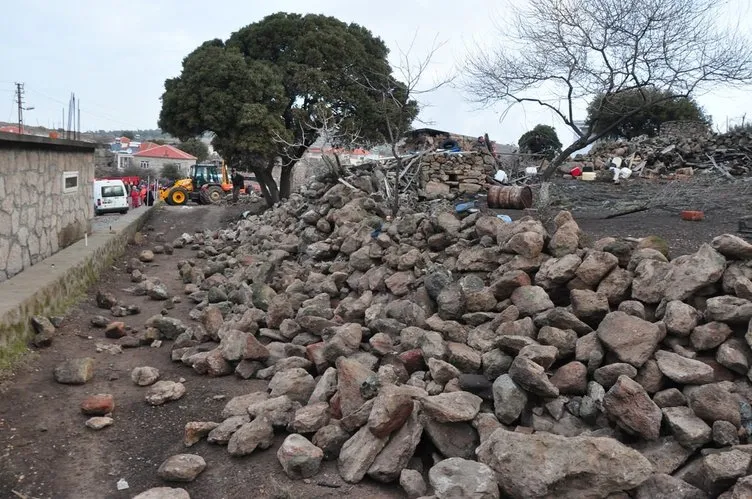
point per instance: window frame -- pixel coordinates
(66, 176)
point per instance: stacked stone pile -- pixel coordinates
(492, 359)
(465, 172)
(661, 155)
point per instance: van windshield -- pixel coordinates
(112, 191)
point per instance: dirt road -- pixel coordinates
(47, 452)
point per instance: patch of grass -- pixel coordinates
(11, 355)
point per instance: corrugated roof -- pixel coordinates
(165, 151)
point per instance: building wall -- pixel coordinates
(37, 216)
(157, 163)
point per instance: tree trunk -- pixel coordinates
(285, 181)
(395, 193)
(268, 185)
(563, 155)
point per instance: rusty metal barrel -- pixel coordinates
(510, 197)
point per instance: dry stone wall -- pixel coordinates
(465, 171)
(38, 214)
(685, 129)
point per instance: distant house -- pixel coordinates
(124, 148)
(158, 156)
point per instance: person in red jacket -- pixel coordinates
(135, 197)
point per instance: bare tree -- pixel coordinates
(333, 136)
(400, 98)
(560, 53)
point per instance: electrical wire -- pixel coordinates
(83, 110)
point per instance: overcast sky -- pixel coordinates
(116, 55)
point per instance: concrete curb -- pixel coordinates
(56, 283)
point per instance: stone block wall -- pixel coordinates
(685, 129)
(465, 171)
(38, 215)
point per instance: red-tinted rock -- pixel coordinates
(413, 360)
(98, 405)
(115, 330)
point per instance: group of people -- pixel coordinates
(140, 194)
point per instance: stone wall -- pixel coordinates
(685, 129)
(465, 171)
(38, 214)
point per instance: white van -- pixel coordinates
(109, 196)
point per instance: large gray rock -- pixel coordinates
(532, 377)
(456, 478)
(557, 271)
(683, 370)
(662, 486)
(412, 483)
(680, 318)
(74, 371)
(596, 266)
(453, 407)
(391, 408)
(649, 283)
(358, 454)
(296, 383)
(691, 273)
(258, 434)
(716, 472)
(666, 454)
(181, 468)
(689, 430)
(630, 406)
(714, 402)
(397, 453)
(509, 399)
(531, 300)
(452, 439)
(728, 309)
(709, 336)
(589, 306)
(164, 391)
(733, 247)
(547, 465)
(632, 339)
(350, 376)
(299, 457)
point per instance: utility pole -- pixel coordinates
(20, 102)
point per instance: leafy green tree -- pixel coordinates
(625, 115)
(261, 92)
(541, 140)
(195, 147)
(171, 171)
(128, 134)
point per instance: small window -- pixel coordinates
(70, 182)
(144, 164)
(112, 191)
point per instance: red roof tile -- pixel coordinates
(165, 151)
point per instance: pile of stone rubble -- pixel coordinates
(494, 359)
(724, 154)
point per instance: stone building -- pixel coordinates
(46, 198)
